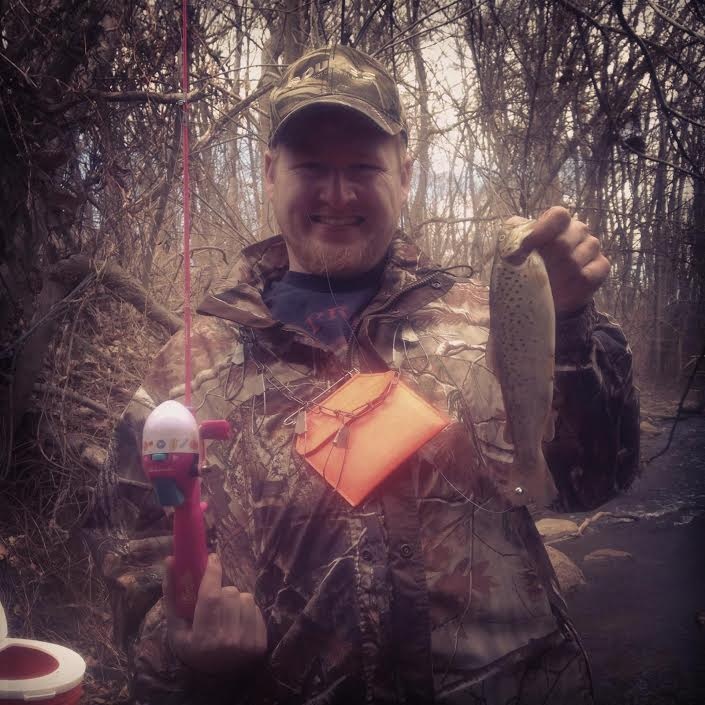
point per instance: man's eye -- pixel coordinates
(367, 167)
(308, 166)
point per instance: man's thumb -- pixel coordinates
(167, 579)
(549, 225)
(178, 629)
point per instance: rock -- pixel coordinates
(648, 427)
(608, 554)
(570, 577)
(553, 530)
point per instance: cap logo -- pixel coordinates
(362, 75)
(310, 71)
(322, 66)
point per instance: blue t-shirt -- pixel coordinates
(321, 305)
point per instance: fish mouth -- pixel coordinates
(518, 256)
(337, 221)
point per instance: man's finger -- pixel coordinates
(231, 614)
(166, 579)
(168, 587)
(563, 246)
(598, 270)
(548, 227)
(587, 251)
(208, 594)
(254, 631)
(261, 628)
(177, 627)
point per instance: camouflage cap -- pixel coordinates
(338, 75)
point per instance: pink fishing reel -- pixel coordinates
(172, 450)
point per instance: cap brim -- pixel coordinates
(361, 107)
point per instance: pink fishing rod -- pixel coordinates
(172, 441)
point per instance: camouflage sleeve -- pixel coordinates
(595, 451)
(130, 535)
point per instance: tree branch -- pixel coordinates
(124, 97)
(145, 96)
(671, 21)
(43, 388)
(120, 283)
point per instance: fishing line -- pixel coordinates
(353, 337)
(476, 442)
(187, 204)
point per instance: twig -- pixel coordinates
(666, 108)
(679, 411)
(145, 96)
(397, 39)
(600, 515)
(675, 23)
(25, 75)
(74, 396)
(367, 23)
(210, 248)
(126, 97)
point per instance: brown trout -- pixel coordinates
(521, 351)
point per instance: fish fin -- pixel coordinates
(491, 363)
(549, 430)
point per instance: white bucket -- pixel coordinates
(37, 671)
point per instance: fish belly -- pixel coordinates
(522, 331)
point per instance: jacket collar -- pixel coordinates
(238, 297)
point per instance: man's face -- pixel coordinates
(337, 185)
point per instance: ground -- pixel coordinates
(642, 617)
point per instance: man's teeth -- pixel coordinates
(335, 220)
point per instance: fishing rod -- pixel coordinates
(173, 442)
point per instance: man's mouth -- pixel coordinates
(337, 221)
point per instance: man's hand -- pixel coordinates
(228, 630)
(576, 267)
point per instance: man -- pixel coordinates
(432, 588)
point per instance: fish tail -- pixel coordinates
(535, 480)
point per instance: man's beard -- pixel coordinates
(336, 260)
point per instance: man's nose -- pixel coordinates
(338, 189)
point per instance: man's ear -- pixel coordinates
(269, 164)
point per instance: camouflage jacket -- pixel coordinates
(433, 582)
